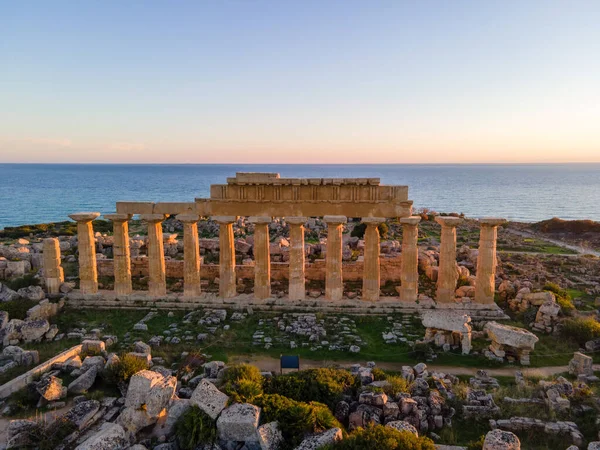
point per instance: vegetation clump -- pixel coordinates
(127, 366)
(581, 329)
(242, 382)
(319, 385)
(193, 428)
(563, 298)
(296, 419)
(382, 438)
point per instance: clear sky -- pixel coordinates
(299, 81)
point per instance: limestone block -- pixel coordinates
(501, 440)
(581, 365)
(82, 413)
(269, 436)
(7, 294)
(512, 336)
(34, 330)
(239, 423)
(51, 388)
(209, 399)
(151, 390)
(402, 425)
(84, 382)
(110, 436)
(93, 347)
(322, 439)
(447, 320)
(34, 293)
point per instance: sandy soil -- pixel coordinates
(272, 364)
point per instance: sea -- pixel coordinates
(39, 193)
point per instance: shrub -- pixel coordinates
(242, 382)
(382, 438)
(581, 329)
(295, 418)
(17, 309)
(127, 366)
(396, 385)
(563, 298)
(319, 385)
(476, 445)
(359, 230)
(195, 427)
(378, 374)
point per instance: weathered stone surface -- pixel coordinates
(51, 388)
(317, 441)
(92, 361)
(177, 408)
(84, 381)
(93, 347)
(81, 414)
(501, 440)
(19, 433)
(511, 336)
(239, 423)
(581, 365)
(110, 436)
(34, 293)
(401, 425)
(7, 294)
(151, 390)
(269, 436)
(34, 330)
(209, 399)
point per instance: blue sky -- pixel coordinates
(310, 81)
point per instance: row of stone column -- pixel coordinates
(409, 277)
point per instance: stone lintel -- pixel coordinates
(153, 217)
(188, 218)
(84, 216)
(373, 220)
(224, 219)
(448, 221)
(129, 207)
(412, 220)
(335, 219)
(116, 217)
(491, 221)
(294, 220)
(260, 219)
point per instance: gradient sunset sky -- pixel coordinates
(300, 81)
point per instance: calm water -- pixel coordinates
(36, 193)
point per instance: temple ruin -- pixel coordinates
(261, 197)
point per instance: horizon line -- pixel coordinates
(297, 164)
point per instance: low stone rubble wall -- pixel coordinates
(18, 383)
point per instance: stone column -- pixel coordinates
(157, 284)
(334, 285)
(227, 281)
(121, 253)
(297, 279)
(86, 244)
(371, 282)
(447, 273)
(53, 272)
(409, 271)
(262, 259)
(191, 255)
(485, 282)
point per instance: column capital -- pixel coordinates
(491, 221)
(116, 217)
(448, 221)
(84, 216)
(188, 218)
(153, 218)
(373, 220)
(296, 220)
(412, 220)
(260, 219)
(224, 219)
(335, 220)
